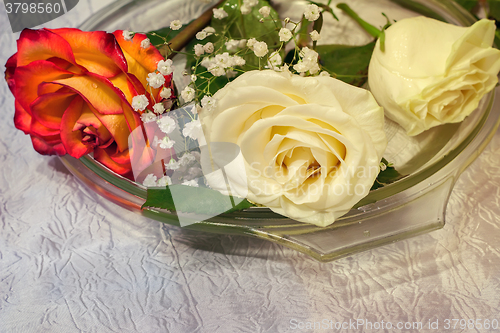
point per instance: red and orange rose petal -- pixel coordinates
(22, 119)
(103, 155)
(48, 145)
(97, 51)
(140, 61)
(48, 109)
(34, 45)
(71, 139)
(28, 78)
(97, 91)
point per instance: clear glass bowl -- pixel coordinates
(411, 206)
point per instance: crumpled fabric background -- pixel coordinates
(72, 262)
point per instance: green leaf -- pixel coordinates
(389, 175)
(199, 200)
(467, 4)
(348, 63)
(235, 26)
(494, 9)
(419, 8)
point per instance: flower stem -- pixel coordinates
(365, 25)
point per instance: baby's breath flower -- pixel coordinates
(201, 35)
(165, 67)
(219, 13)
(188, 94)
(175, 25)
(158, 108)
(145, 43)
(251, 3)
(166, 143)
(251, 42)
(148, 117)
(172, 165)
(312, 12)
(166, 93)
(194, 78)
(166, 124)
(192, 183)
(315, 36)
(265, 11)
(232, 45)
(223, 60)
(208, 103)
(260, 49)
(155, 80)
(127, 35)
(217, 71)
(149, 181)
(245, 9)
(140, 103)
(164, 181)
(309, 61)
(207, 62)
(242, 43)
(285, 35)
(324, 73)
(199, 50)
(238, 61)
(209, 47)
(209, 30)
(193, 130)
(275, 60)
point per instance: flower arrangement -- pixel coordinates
(264, 116)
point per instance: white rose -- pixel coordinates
(311, 145)
(433, 73)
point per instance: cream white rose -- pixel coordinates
(432, 72)
(311, 146)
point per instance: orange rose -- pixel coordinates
(74, 91)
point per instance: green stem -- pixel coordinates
(365, 25)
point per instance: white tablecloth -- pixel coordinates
(72, 262)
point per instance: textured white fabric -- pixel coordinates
(72, 262)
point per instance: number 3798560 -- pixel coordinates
(32, 8)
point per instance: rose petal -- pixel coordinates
(140, 61)
(110, 158)
(97, 91)
(48, 145)
(48, 109)
(27, 79)
(42, 44)
(10, 69)
(97, 51)
(22, 119)
(71, 139)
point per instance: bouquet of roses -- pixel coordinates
(263, 115)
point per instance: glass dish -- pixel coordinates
(411, 206)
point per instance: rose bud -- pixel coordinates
(432, 73)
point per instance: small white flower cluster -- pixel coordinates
(208, 31)
(308, 61)
(200, 49)
(152, 181)
(312, 12)
(246, 7)
(155, 80)
(222, 63)
(220, 13)
(234, 45)
(175, 25)
(259, 48)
